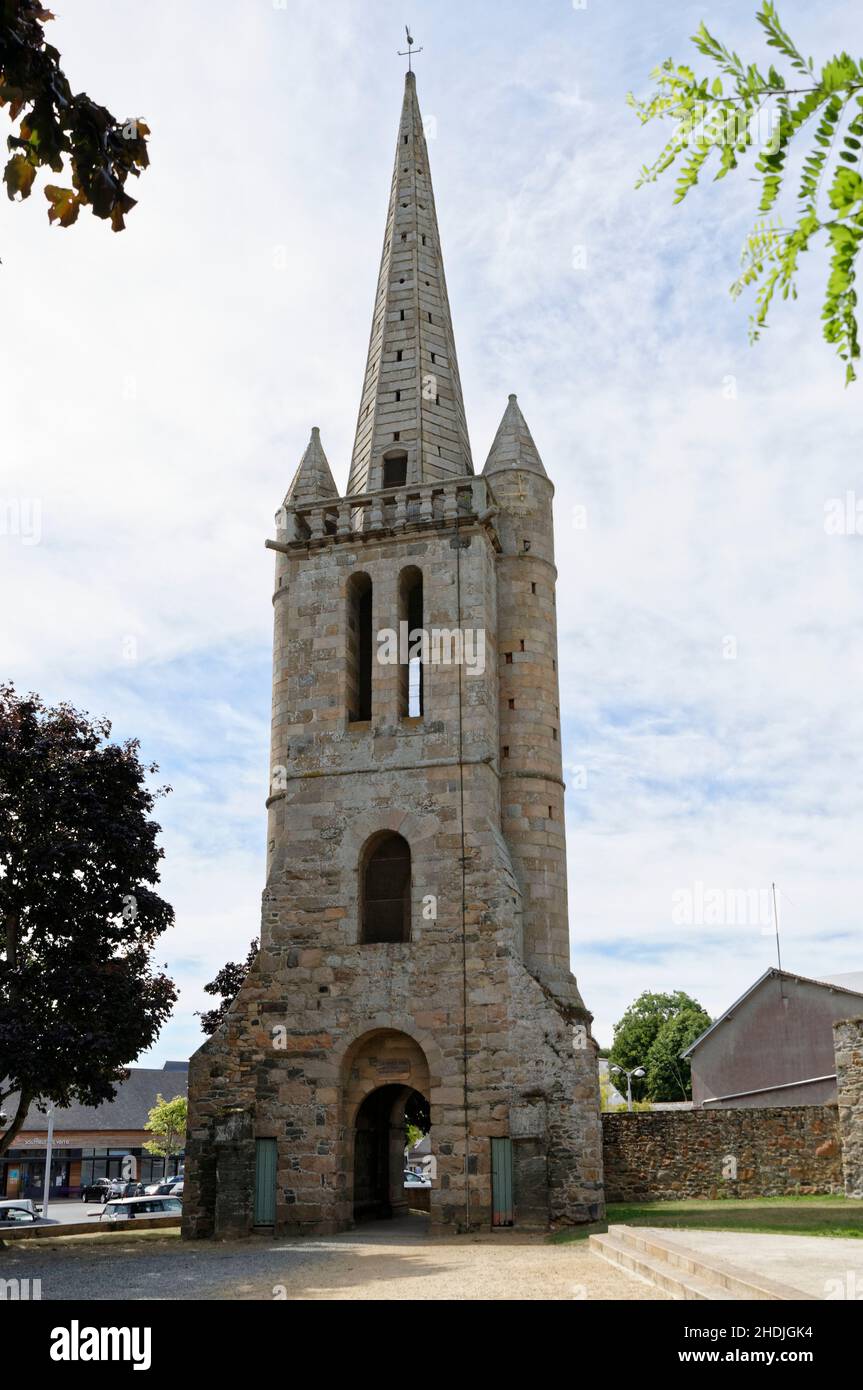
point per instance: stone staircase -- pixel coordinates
(664, 1260)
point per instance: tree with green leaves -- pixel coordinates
(668, 1074)
(79, 914)
(226, 984)
(167, 1120)
(637, 1035)
(816, 112)
(58, 126)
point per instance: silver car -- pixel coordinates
(128, 1208)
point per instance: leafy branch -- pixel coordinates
(58, 125)
(721, 118)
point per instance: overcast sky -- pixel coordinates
(158, 388)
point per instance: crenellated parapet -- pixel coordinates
(390, 510)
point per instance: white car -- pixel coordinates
(20, 1202)
(127, 1208)
(20, 1216)
(416, 1179)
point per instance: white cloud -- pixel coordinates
(159, 387)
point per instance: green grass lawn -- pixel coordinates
(799, 1216)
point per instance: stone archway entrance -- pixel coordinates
(386, 1083)
(379, 1150)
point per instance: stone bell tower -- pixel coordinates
(414, 960)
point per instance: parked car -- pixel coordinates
(160, 1189)
(96, 1191)
(413, 1179)
(15, 1216)
(104, 1189)
(20, 1202)
(177, 1189)
(127, 1208)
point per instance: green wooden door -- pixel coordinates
(501, 1182)
(265, 1182)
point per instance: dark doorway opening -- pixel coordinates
(379, 1151)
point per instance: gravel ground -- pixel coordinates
(384, 1260)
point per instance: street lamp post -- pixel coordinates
(636, 1071)
(49, 1144)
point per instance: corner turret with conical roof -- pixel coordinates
(313, 480)
(513, 445)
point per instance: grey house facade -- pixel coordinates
(774, 1045)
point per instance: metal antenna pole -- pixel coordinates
(776, 923)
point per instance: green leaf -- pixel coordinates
(65, 204)
(18, 176)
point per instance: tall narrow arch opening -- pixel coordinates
(359, 648)
(411, 671)
(385, 890)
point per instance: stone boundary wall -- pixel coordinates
(666, 1155)
(848, 1050)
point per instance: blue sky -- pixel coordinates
(159, 388)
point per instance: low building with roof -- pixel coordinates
(774, 1045)
(92, 1141)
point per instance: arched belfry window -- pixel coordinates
(359, 648)
(411, 612)
(395, 471)
(385, 889)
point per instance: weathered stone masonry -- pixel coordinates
(848, 1050)
(666, 1155)
(414, 934)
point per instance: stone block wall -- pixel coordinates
(773, 1152)
(848, 1049)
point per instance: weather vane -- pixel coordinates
(409, 51)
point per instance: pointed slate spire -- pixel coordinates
(412, 402)
(513, 445)
(313, 481)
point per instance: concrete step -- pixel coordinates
(676, 1283)
(684, 1272)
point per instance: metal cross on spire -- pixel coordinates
(408, 53)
